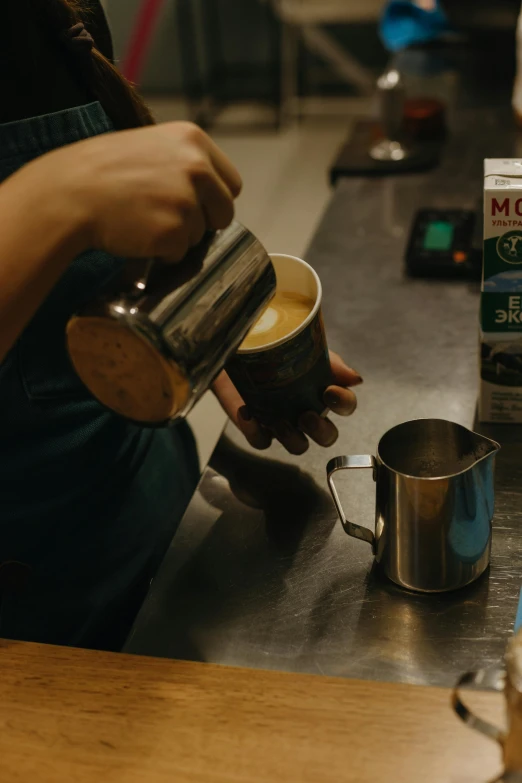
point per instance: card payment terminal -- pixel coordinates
(445, 244)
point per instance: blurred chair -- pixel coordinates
(303, 20)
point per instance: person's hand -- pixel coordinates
(339, 398)
(147, 193)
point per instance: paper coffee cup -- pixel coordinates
(286, 377)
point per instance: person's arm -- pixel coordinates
(41, 230)
(152, 192)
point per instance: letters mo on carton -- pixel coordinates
(506, 208)
(513, 314)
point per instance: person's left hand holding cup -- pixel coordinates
(339, 398)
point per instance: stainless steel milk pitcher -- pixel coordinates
(434, 504)
(149, 350)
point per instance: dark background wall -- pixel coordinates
(243, 33)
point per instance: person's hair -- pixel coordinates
(100, 77)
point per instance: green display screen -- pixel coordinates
(439, 236)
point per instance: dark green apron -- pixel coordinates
(88, 502)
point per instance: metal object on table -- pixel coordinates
(483, 679)
(260, 573)
(151, 350)
(434, 504)
(391, 96)
(508, 681)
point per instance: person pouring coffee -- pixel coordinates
(89, 501)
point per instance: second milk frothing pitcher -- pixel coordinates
(434, 504)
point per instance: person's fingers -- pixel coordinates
(294, 441)
(225, 168)
(209, 207)
(234, 406)
(319, 429)
(182, 230)
(173, 244)
(217, 202)
(191, 217)
(343, 375)
(340, 401)
(197, 227)
(256, 435)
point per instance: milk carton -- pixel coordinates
(500, 397)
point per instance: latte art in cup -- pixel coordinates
(285, 313)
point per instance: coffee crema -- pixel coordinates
(285, 313)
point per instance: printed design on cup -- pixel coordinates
(279, 366)
(288, 380)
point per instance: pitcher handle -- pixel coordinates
(482, 677)
(361, 462)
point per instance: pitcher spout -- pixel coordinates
(483, 446)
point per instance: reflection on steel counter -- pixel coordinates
(264, 579)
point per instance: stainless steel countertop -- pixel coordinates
(261, 573)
